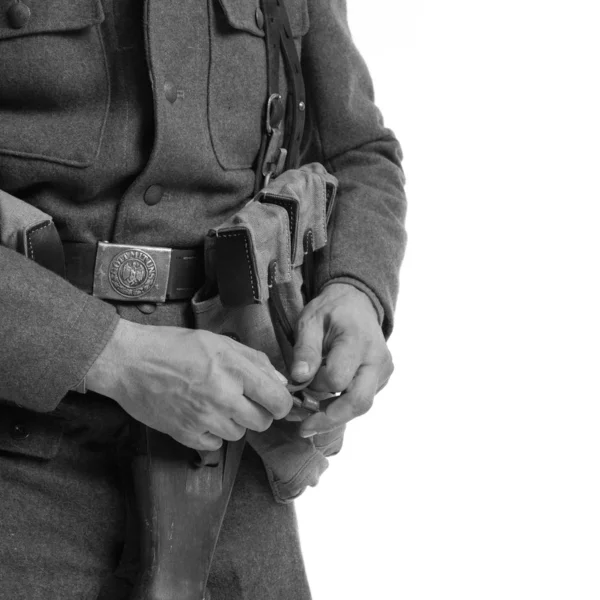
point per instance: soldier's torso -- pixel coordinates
(130, 121)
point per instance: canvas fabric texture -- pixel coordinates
(274, 225)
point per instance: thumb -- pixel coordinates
(307, 350)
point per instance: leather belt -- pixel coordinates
(134, 273)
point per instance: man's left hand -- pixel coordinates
(340, 344)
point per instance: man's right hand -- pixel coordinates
(199, 387)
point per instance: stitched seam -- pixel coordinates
(30, 233)
(248, 259)
(284, 203)
(308, 237)
(323, 208)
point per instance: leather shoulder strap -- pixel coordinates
(280, 147)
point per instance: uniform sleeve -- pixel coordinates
(345, 132)
(50, 333)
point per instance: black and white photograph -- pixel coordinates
(299, 300)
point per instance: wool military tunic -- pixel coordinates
(140, 123)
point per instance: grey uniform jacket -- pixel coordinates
(140, 123)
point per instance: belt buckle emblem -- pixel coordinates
(131, 273)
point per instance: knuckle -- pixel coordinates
(308, 351)
(339, 380)
(282, 407)
(304, 322)
(387, 364)
(390, 367)
(262, 358)
(361, 405)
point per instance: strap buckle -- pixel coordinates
(131, 273)
(274, 113)
(275, 155)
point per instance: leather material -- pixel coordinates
(181, 508)
(296, 110)
(272, 36)
(330, 194)
(236, 268)
(308, 267)
(291, 205)
(186, 273)
(279, 40)
(42, 244)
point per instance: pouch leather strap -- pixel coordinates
(41, 243)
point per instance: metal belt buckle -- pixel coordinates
(131, 273)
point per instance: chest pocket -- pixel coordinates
(237, 86)
(54, 85)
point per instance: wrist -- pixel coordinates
(105, 373)
(338, 289)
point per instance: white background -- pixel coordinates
(476, 474)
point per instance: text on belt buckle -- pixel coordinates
(131, 273)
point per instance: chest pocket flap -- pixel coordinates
(54, 94)
(237, 88)
(246, 16)
(40, 16)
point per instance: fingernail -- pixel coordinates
(307, 434)
(301, 369)
(281, 377)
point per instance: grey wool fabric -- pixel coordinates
(139, 122)
(63, 520)
(116, 139)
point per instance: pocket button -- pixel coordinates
(19, 431)
(170, 91)
(260, 18)
(18, 15)
(153, 195)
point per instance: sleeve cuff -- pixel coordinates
(76, 352)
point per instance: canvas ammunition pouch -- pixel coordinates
(259, 275)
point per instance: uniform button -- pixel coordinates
(260, 18)
(153, 195)
(19, 431)
(146, 308)
(18, 15)
(170, 91)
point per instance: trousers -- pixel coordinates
(63, 521)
